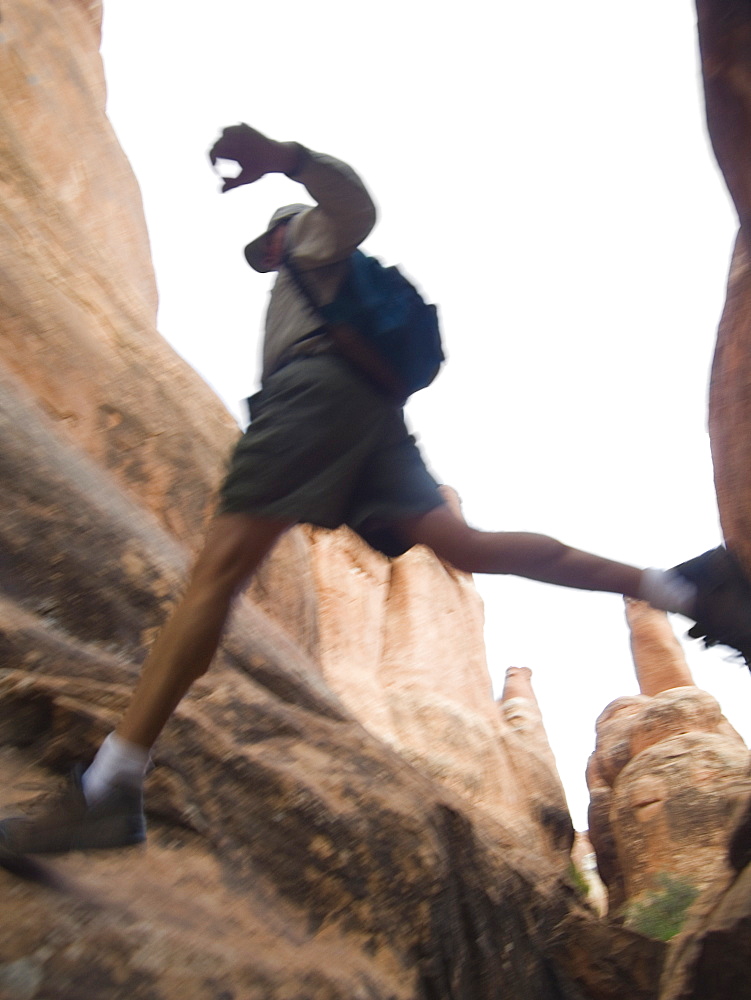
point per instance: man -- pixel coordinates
(328, 447)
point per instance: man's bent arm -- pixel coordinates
(343, 217)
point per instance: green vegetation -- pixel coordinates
(661, 913)
(578, 880)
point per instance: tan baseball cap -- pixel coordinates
(256, 251)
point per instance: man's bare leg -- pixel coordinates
(537, 557)
(235, 546)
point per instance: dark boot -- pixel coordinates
(723, 603)
(66, 822)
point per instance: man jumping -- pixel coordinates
(327, 447)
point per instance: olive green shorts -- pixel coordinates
(324, 447)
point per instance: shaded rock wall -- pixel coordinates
(710, 961)
(725, 45)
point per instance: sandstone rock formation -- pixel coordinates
(533, 765)
(417, 678)
(339, 809)
(664, 778)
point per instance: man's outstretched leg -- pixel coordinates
(103, 806)
(711, 589)
(519, 553)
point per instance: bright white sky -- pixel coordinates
(543, 171)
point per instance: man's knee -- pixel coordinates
(219, 570)
(463, 548)
(450, 538)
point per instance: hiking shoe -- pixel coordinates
(66, 822)
(723, 602)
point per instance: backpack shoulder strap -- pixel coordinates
(301, 285)
(350, 342)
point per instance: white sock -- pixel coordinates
(117, 762)
(668, 590)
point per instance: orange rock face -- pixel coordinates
(400, 642)
(664, 777)
(658, 657)
(79, 299)
(532, 762)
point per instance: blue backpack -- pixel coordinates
(381, 323)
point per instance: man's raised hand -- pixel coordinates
(256, 154)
